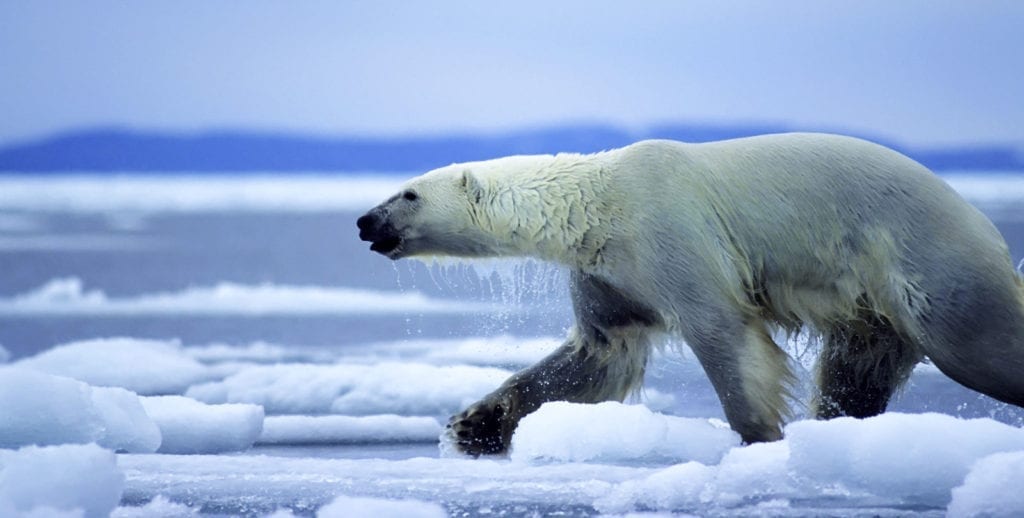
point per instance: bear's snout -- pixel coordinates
(374, 228)
(367, 223)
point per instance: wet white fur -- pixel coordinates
(816, 227)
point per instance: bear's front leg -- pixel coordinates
(485, 428)
(589, 367)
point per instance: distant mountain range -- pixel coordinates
(117, 150)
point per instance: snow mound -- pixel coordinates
(347, 506)
(337, 429)
(68, 478)
(5, 355)
(992, 488)
(383, 388)
(42, 409)
(897, 453)
(189, 426)
(892, 460)
(147, 367)
(67, 296)
(571, 432)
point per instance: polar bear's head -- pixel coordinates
(438, 213)
(513, 206)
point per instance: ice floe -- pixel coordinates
(41, 409)
(613, 432)
(68, 296)
(404, 388)
(161, 193)
(189, 426)
(991, 488)
(147, 367)
(60, 480)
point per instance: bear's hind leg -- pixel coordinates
(862, 363)
(749, 372)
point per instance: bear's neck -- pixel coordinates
(549, 209)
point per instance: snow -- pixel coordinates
(992, 488)
(384, 388)
(42, 409)
(336, 429)
(570, 432)
(189, 426)
(146, 367)
(68, 296)
(38, 480)
(5, 355)
(140, 193)
(347, 506)
(894, 453)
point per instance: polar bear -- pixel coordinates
(719, 244)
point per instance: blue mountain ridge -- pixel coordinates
(125, 150)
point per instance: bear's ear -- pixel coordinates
(474, 189)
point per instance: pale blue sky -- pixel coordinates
(921, 71)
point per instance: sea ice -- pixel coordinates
(147, 367)
(62, 478)
(157, 507)
(919, 457)
(354, 389)
(189, 426)
(992, 488)
(348, 506)
(339, 429)
(43, 409)
(614, 432)
(67, 296)
(141, 193)
(889, 461)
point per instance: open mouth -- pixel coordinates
(386, 245)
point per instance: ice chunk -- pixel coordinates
(992, 488)
(383, 388)
(189, 426)
(126, 424)
(573, 432)
(42, 409)
(917, 457)
(147, 367)
(158, 506)
(890, 461)
(64, 478)
(347, 506)
(337, 429)
(746, 474)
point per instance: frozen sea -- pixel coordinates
(225, 345)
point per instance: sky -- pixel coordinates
(929, 72)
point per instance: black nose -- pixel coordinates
(367, 221)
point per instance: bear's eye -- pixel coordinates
(409, 195)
